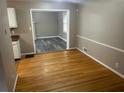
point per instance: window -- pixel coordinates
(65, 22)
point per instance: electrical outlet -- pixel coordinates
(117, 65)
(85, 49)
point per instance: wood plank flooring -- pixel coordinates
(50, 44)
(66, 71)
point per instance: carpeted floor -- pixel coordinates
(50, 44)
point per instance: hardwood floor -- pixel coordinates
(68, 71)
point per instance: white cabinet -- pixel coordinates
(12, 18)
(16, 49)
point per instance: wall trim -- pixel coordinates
(62, 38)
(31, 53)
(50, 10)
(100, 62)
(15, 83)
(109, 46)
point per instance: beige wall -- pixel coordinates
(46, 24)
(103, 21)
(7, 63)
(24, 22)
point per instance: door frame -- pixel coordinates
(50, 10)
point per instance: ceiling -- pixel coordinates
(69, 1)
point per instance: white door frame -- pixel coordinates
(50, 10)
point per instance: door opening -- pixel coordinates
(50, 29)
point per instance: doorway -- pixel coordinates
(50, 29)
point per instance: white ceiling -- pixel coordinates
(69, 1)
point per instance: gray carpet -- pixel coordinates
(50, 44)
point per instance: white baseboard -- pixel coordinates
(62, 38)
(98, 61)
(15, 83)
(31, 53)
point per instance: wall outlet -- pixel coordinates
(116, 65)
(85, 49)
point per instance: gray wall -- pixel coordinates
(61, 33)
(7, 63)
(46, 24)
(24, 21)
(103, 21)
(3, 87)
